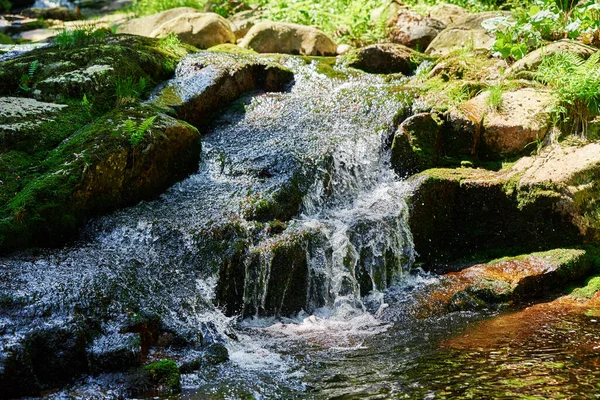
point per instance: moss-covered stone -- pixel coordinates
(165, 376)
(515, 279)
(460, 212)
(592, 286)
(91, 69)
(54, 190)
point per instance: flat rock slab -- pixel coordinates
(510, 280)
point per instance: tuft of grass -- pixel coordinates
(79, 37)
(128, 90)
(576, 83)
(494, 100)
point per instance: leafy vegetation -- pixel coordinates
(128, 89)
(534, 23)
(576, 82)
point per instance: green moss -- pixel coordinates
(592, 286)
(231, 48)
(5, 39)
(91, 68)
(165, 374)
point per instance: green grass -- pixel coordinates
(79, 37)
(494, 100)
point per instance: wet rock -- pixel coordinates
(462, 212)
(531, 61)
(505, 129)
(417, 144)
(413, 30)
(213, 355)
(207, 81)
(59, 13)
(114, 352)
(466, 33)
(37, 35)
(202, 30)
(42, 359)
(448, 14)
(243, 21)
(385, 58)
(145, 25)
(281, 37)
(267, 279)
(519, 278)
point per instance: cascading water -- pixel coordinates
(327, 139)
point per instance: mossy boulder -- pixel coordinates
(93, 69)
(514, 279)
(385, 58)
(457, 213)
(98, 169)
(417, 144)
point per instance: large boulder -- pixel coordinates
(448, 14)
(92, 68)
(202, 30)
(281, 37)
(521, 118)
(531, 61)
(414, 30)
(145, 25)
(466, 33)
(91, 173)
(243, 21)
(61, 164)
(385, 58)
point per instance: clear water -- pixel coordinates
(356, 338)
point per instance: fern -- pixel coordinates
(577, 84)
(27, 79)
(137, 132)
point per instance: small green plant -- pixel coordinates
(576, 83)
(494, 100)
(27, 79)
(137, 132)
(79, 37)
(128, 90)
(5, 6)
